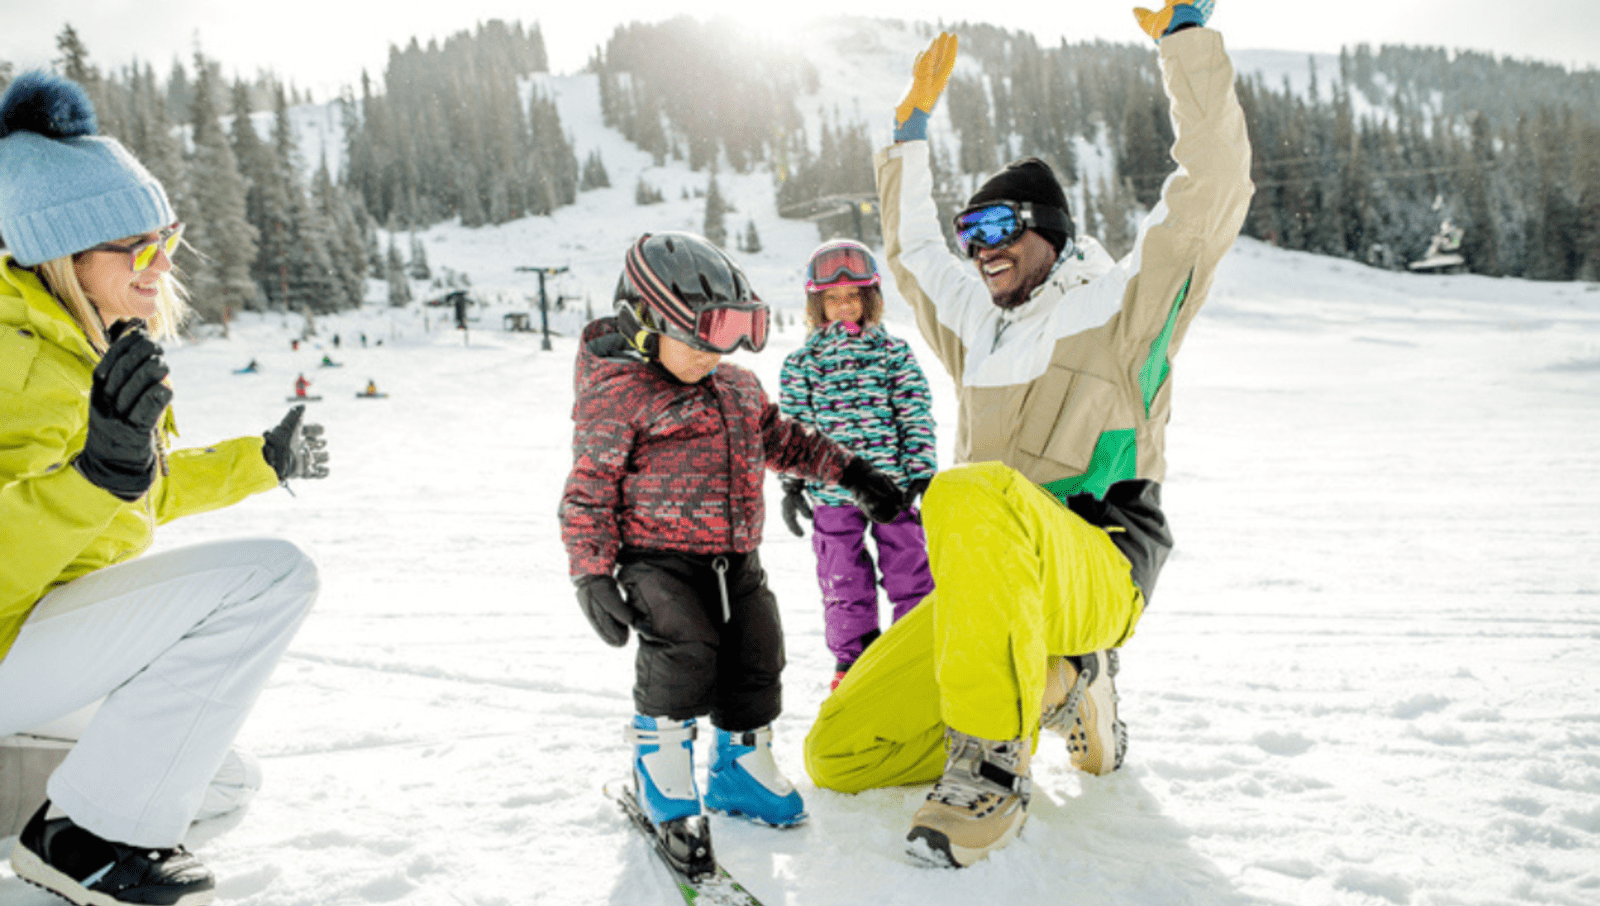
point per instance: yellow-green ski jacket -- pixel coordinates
(54, 525)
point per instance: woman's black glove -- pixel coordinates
(875, 493)
(296, 450)
(126, 400)
(608, 612)
(795, 505)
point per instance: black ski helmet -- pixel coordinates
(668, 279)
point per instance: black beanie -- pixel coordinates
(1029, 179)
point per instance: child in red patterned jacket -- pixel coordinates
(662, 515)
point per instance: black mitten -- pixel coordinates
(875, 493)
(795, 506)
(608, 612)
(126, 400)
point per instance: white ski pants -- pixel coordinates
(178, 645)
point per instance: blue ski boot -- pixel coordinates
(745, 780)
(663, 767)
(663, 785)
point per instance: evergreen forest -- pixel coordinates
(1367, 163)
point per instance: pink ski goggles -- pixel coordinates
(842, 265)
(726, 328)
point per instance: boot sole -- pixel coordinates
(796, 821)
(933, 849)
(1108, 729)
(29, 867)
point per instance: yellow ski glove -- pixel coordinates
(1175, 15)
(928, 77)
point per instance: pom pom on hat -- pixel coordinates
(63, 188)
(47, 104)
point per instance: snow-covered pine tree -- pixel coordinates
(969, 115)
(418, 268)
(180, 93)
(395, 273)
(151, 138)
(715, 228)
(307, 267)
(1143, 158)
(1117, 211)
(644, 193)
(555, 164)
(594, 173)
(220, 280)
(266, 199)
(350, 235)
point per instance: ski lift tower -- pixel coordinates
(544, 304)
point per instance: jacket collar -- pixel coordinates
(1087, 261)
(834, 333)
(24, 302)
(1082, 264)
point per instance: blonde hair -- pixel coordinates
(60, 277)
(871, 309)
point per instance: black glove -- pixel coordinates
(608, 612)
(915, 490)
(795, 505)
(875, 493)
(296, 450)
(126, 400)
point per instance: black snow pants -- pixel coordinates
(710, 641)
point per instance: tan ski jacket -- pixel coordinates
(1072, 388)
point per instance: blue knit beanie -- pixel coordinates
(64, 189)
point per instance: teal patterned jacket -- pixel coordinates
(868, 394)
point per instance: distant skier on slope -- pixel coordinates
(1046, 538)
(661, 517)
(175, 646)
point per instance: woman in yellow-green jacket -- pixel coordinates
(174, 647)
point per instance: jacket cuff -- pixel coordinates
(913, 129)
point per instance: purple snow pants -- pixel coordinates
(849, 581)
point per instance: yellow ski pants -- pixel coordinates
(1018, 577)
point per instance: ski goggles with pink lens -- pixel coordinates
(841, 265)
(998, 224)
(722, 329)
(142, 253)
(726, 328)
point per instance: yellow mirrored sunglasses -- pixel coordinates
(142, 254)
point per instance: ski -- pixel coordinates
(713, 887)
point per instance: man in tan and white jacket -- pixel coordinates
(1047, 536)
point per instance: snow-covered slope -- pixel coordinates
(1370, 675)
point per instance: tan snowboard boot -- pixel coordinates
(977, 807)
(1080, 703)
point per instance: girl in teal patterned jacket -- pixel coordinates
(864, 389)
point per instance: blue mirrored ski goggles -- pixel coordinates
(997, 224)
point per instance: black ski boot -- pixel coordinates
(73, 863)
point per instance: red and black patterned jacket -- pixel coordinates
(664, 465)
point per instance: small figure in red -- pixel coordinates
(300, 385)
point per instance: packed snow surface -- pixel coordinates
(1370, 674)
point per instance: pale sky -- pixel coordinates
(323, 44)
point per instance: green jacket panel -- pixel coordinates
(54, 524)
